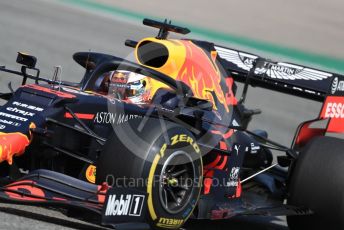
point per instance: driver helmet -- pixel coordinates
(129, 86)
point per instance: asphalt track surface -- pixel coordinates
(53, 32)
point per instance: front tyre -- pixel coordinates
(170, 166)
(174, 178)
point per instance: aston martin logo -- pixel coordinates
(281, 70)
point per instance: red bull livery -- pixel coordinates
(156, 141)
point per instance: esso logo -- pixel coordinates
(334, 110)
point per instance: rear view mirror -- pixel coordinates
(26, 60)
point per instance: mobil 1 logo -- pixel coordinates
(123, 205)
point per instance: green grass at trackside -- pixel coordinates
(322, 61)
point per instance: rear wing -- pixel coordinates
(298, 80)
(281, 76)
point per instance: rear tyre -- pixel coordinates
(317, 182)
(171, 167)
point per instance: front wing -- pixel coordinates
(113, 207)
(122, 208)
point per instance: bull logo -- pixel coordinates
(13, 144)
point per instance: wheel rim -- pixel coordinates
(177, 182)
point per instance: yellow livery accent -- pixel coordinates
(91, 173)
(185, 62)
(150, 185)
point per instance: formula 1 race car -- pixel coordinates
(154, 141)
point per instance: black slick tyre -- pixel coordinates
(171, 167)
(317, 182)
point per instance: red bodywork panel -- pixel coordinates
(333, 109)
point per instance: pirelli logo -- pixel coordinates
(170, 223)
